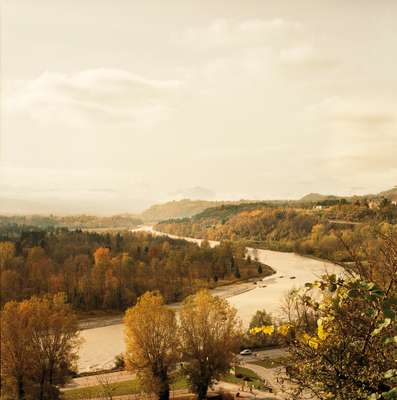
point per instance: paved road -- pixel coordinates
(257, 355)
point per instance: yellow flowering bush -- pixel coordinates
(266, 330)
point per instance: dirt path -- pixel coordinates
(93, 380)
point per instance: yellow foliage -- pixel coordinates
(283, 329)
(312, 341)
(321, 333)
(266, 329)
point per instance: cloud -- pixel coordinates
(194, 193)
(305, 55)
(374, 161)
(106, 96)
(265, 49)
(355, 112)
(232, 33)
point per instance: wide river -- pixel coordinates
(102, 344)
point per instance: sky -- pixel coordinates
(110, 106)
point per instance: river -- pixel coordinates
(102, 344)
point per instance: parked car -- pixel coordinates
(246, 352)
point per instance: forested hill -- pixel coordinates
(311, 230)
(390, 194)
(185, 209)
(314, 197)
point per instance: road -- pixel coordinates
(120, 376)
(257, 355)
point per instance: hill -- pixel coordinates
(177, 209)
(314, 197)
(298, 226)
(389, 194)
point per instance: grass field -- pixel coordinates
(244, 375)
(132, 386)
(115, 389)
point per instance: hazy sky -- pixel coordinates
(111, 105)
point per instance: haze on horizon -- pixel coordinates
(112, 106)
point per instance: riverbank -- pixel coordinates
(260, 245)
(99, 319)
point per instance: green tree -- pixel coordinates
(262, 318)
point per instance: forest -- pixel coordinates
(72, 221)
(110, 271)
(321, 231)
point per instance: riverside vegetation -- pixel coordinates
(340, 331)
(110, 271)
(327, 232)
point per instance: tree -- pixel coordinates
(351, 354)
(54, 343)
(7, 252)
(152, 343)
(350, 351)
(15, 351)
(38, 346)
(237, 273)
(261, 318)
(210, 333)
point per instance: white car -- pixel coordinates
(245, 352)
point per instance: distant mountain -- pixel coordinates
(187, 208)
(177, 209)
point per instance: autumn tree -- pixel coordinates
(209, 332)
(152, 343)
(261, 318)
(7, 252)
(16, 352)
(98, 271)
(38, 345)
(54, 343)
(350, 352)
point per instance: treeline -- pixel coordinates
(71, 222)
(320, 232)
(105, 271)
